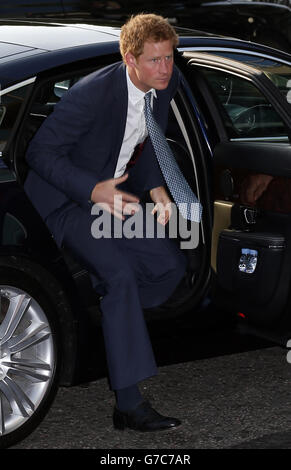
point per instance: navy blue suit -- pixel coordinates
(77, 146)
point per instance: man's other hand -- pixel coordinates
(117, 202)
(163, 204)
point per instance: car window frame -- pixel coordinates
(59, 73)
(259, 80)
(230, 121)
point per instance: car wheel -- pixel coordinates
(28, 354)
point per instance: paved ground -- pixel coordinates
(240, 400)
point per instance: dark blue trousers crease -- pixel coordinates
(130, 274)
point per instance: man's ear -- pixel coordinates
(130, 60)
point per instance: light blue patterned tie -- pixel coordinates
(187, 202)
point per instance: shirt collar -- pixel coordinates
(134, 93)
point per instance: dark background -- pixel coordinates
(263, 22)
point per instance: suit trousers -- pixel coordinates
(130, 274)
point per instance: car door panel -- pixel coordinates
(262, 157)
(260, 295)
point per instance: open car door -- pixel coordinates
(244, 101)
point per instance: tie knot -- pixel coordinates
(148, 97)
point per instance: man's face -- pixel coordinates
(154, 67)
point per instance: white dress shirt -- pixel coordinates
(135, 129)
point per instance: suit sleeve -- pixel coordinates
(49, 151)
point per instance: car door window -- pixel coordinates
(9, 108)
(61, 87)
(46, 95)
(10, 105)
(278, 72)
(52, 91)
(246, 111)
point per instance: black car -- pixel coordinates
(230, 118)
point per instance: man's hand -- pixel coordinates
(107, 196)
(162, 204)
(253, 187)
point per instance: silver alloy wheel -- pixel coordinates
(26, 357)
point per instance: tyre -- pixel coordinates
(29, 361)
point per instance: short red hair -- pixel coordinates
(145, 27)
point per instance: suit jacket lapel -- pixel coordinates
(159, 110)
(156, 106)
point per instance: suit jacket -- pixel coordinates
(79, 143)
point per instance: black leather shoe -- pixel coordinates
(143, 418)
